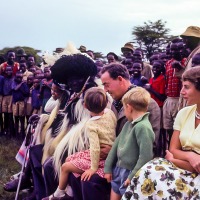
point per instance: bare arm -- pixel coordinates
(192, 160)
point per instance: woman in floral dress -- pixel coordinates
(178, 175)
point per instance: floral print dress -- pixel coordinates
(160, 179)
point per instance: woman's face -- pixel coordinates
(56, 92)
(190, 93)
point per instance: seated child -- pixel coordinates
(101, 130)
(134, 145)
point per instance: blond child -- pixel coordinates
(134, 145)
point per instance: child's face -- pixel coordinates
(30, 80)
(31, 61)
(47, 73)
(36, 83)
(128, 111)
(18, 78)
(55, 92)
(157, 68)
(32, 69)
(8, 71)
(129, 65)
(22, 67)
(137, 56)
(137, 69)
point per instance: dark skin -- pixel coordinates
(196, 60)
(10, 58)
(157, 71)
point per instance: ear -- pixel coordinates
(120, 78)
(129, 107)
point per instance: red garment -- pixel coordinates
(15, 68)
(158, 85)
(173, 83)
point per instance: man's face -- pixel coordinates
(113, 86)
(11, 57)
(31, 61)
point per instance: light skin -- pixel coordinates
(187, 160)
(67, 168)
(131, 114)
(115, 87)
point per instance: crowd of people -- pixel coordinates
(107, 131)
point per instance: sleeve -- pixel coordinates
(112, 157)
(179, 120)
(92, 132)
(51, 103)
(145, 139)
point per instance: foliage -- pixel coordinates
(152, 37)
(28, 51)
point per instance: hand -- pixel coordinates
(177, 65)
(127, 182)
(194, 161)
(147, 86)
(169, 156)
(104, 151)
(108, 177)
(87, 174)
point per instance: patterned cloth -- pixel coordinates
(173, 83)
(162, 180)
(82, 161)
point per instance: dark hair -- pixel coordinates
(113, 54)
(95, 100)
(10, 51)
(115, 70)
(192, 75)
(73, 65)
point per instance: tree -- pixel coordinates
(151, 37)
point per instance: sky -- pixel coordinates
(102, 26)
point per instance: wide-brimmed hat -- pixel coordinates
(59, 50)
(129, 46)
(82, 49)
(192, 31)
(21, 53)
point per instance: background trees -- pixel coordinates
(151, 37)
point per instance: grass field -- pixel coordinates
(8, 165)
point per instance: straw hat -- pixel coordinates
(59, 50)
(192, 31)
(128, 46)
(82, 49)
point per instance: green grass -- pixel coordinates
(8, 165)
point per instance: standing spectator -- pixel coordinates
(146, 70)
(1, 99)
(20, 92)
(45, 87)
(36, 101)
(112, 57)
(23, 68)
(7, 101)
(127, 50)
(28, 106)
(11, 62)
(173, 87)
(137, 78)
(196, 60)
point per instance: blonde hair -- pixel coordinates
(138, 98)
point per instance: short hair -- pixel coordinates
(113, 54)
(95, 99)
(115, 70)
(192, 75)
(138, 98)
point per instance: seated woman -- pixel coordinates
(176, 176)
